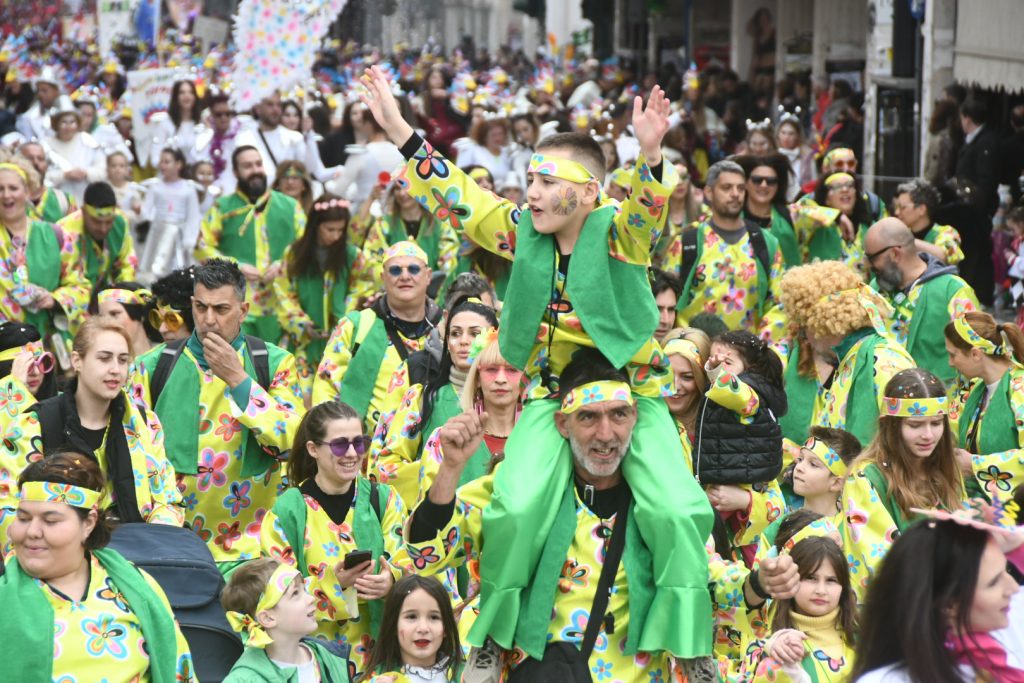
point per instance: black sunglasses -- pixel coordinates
(764, 180)
(413, 269)
(340, 446)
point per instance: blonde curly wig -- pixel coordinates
(809, 298)
(8, 156)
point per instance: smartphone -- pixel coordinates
(356, 558)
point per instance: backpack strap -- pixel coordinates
(375, 500)
(759, 245)
(168, 357)
(260, 360)
(689, 258)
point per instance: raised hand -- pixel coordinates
(382, 104)
(650, 123)
(460, 437)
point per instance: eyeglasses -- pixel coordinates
(44, 362)
(413, 270)
(340, 446)
(764, 180)
(839, 187)
(871, 257)
(165, 315)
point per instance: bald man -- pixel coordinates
(925, 292)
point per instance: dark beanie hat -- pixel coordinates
(15, 334)
(100, 194)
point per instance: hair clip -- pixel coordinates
(332, 204)
(763, 125)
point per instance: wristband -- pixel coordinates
(755, 585)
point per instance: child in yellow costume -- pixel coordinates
(601, 299)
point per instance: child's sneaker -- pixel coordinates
(483, 664)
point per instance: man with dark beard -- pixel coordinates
(253, 226)
(924, 292)
(730, 267)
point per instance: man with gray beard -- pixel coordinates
(924, 292)
(596, 568)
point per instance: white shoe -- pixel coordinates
(483, 664)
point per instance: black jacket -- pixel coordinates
(977, 164)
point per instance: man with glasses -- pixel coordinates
(101, 237)
(366, 347)
(253, 226)
(916, 202)
(217, 142)
(924, 292)
(228, 404)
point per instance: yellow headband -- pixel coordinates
(479, 173)
(272, 593)
(125, 296)
(827, 455)
(915, 407)
(623, 177)
(878, 309)
(17, 169)
(100, 211)
(556, 167)
(596, 392)
(52, 492)
(822, 526)
(837, 177)
(685, 348)
(405, 248)
(967, 333)
(35, 348)
(844, 153)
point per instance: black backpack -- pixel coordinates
(169, 356)
(181, 563)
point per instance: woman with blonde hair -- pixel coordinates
(687, 349)
(909, 465)
(989, 415)
(845, 321)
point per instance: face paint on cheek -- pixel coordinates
(565, 203)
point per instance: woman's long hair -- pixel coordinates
(913, 482)
(987, 328)
(313, 427)
(809, 555)
(861, 214)
(302, 258)
(299, 168)
(778, 163)
(174, 109)
(924, 588)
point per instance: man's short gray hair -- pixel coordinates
(720, 167)
(921, 192)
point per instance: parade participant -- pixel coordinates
(766, 205)
(172, 315)
(804, 366)
(947, 580)
(324, 521)
(239, 227)
(129, 194)
(596, 504)
(844, 160)
(578, 263)
(363, 170)
(990, 356)
(76, 609)
(687, 349)
(488, 147)
(790, 136)
(26, 369)
(171, 207)
(820, 468)
(845, 321)
(760, 140)
(102, 239)
(915, 203)
(131, 305)
(216, 142)
(830, 224)
(274, 143)
(202, 176)
(925, 293)
(814, 632)
(75, 158)
(666, 289)
(181, 125)
(49, 204)
(34, 123)
(324, 274)
(431, 397)
(909, 464)
(366, 347)
(293, 180)
(41, 279)
(419, 639)
(730, 267)
(95, 416)
(475, 260)
(267, 603)
(247, 396)
(684, 208)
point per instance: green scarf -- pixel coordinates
(783, 232)
(52, 207)
(255, 665)
(181, 427)
(239, 225)
(42, 257)
(290, 509)
(861, 403)
(428, 237)
(98, 257)
(800, 391)
(322, 297)
(27, 618)
(361, 376)
(539, 596)
(612, 298)
(881, 486)
(997, 432)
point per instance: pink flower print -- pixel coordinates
(724, 268)
(211, 469)
(748, 271)
(734, 300)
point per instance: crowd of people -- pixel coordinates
(722, 412)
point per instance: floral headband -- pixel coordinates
(481, 342)
(967, 333)
(686, 348)
(405, 248)
(827, 455)
(17, 169)
(837, 178)
(100, 211)
(995, 517)
(823, 527)
(331, 204)
(915, 407)
(53, 492)
(596, 392)
(557, 167)
(139, 297)
(34, 347)
(272, 593)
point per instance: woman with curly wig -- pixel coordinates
(989, 416)
(910, 465)
(844, 320)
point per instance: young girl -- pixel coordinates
(267, 602)
(202, 173)
(172, 209)
(813, 632)
(129, 194)
(820, 469)
(738, 442)
(419, 640)
(909, 464)
(330, 511)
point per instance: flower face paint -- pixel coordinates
(565, 202)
